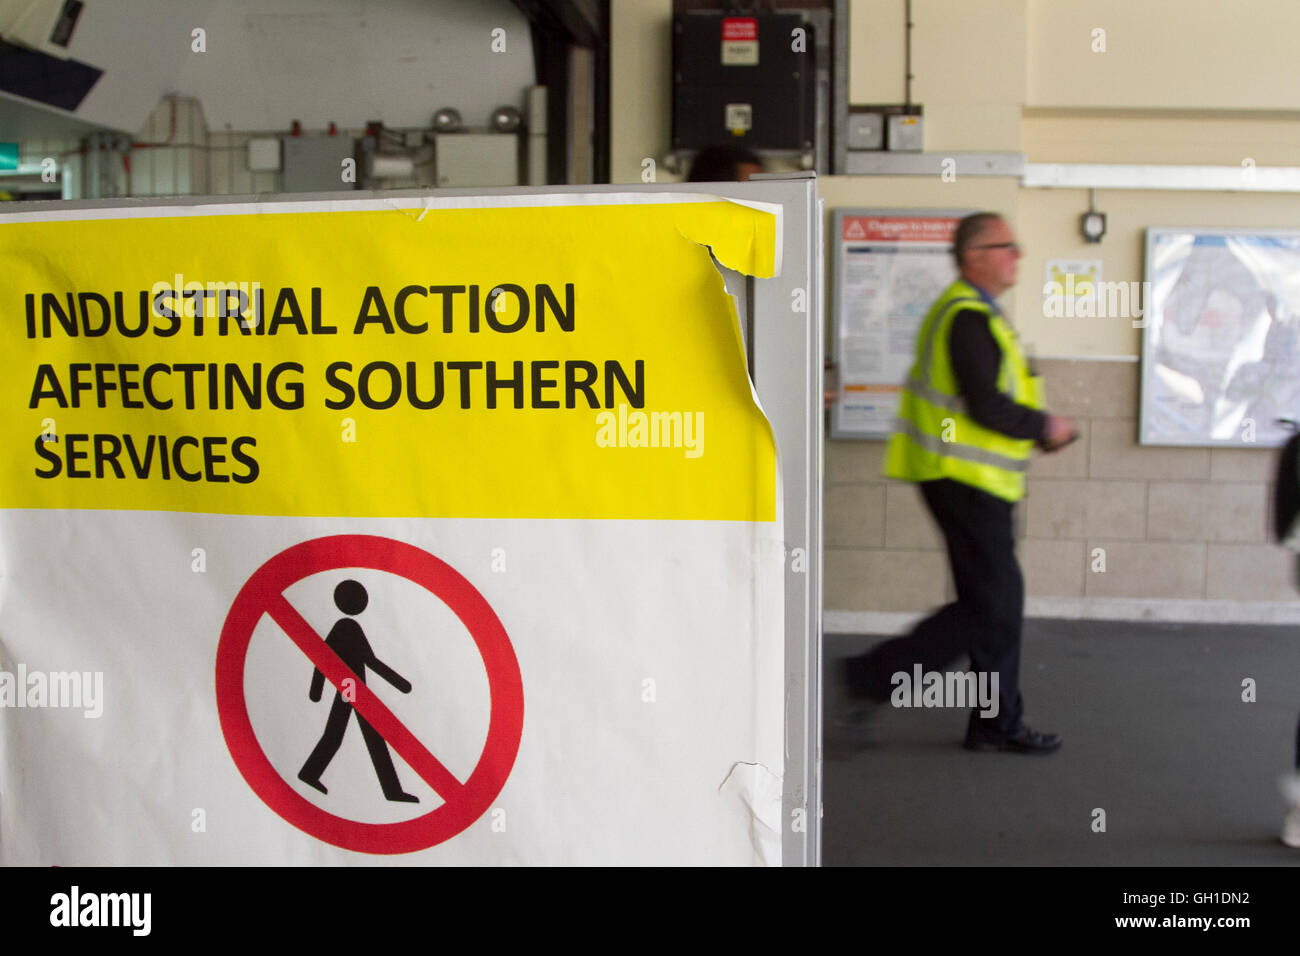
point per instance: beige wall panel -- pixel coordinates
(876, 51)
(1055, 509)
(1193, 53)
(854, 460)
(1145, 570)
(855, 516)
(998, 193)
(1197, 138)
(1202, 511)
(1115, 453)
(908, 524)
(1048, 228)
(1086, 509)
(886, 580)
(1243, 464)
(1052, 568)
(1091, 389)
(1251, 573)
(971, 127)
(1116, 509)
(1070, 462)
(969, 62)
(967, 106)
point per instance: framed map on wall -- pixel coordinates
(1221, 336)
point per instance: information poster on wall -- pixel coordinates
(1221, 336)
(431, 531)
(889, 267)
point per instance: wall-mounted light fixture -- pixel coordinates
(1092, 224)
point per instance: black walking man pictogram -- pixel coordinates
(348, 641)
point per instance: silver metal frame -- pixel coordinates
(883, 163)
(1265, 179)
(840, 89)
(787, 373)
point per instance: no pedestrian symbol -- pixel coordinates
(463, 802)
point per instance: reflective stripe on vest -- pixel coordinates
(955, 450)
(934, 436)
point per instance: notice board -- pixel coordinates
(888, 267)
(1221, 336)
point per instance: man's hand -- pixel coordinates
(1058, 433)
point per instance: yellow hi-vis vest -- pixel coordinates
(933, 436)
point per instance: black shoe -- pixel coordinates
(311, 783)
(1021, 741)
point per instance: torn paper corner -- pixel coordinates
(759, 792)
(744, 236)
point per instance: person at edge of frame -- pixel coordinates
(969, 417)
(1286, 528)
(724, 164)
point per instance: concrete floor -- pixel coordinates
(1155, 733)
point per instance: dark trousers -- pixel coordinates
(984, 621)
(332, 738)
(1297, 727)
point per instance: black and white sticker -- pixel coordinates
(739, 117)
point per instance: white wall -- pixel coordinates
(266, 63)
(350, 61)
(140, 45)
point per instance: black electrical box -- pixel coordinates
(747, 78)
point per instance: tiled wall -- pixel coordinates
(1172, 524)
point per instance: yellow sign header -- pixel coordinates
(540, 362)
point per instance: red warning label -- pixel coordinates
(739, 41)
(264, 595)
(898, 229)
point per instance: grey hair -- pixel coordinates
(970, 229)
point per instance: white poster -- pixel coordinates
(1221, 343)
(890, 268)
(410, 531)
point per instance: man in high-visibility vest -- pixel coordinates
(969, 417)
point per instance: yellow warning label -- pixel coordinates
(548, 362)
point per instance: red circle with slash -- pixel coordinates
(463, 802)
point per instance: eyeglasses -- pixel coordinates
(1013, 246)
